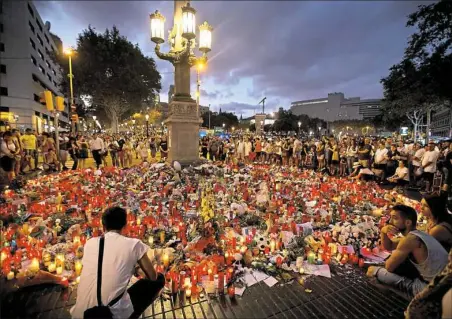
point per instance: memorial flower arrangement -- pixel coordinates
(201, 223)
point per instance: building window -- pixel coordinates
(40, 54)
(35, 78)
(3, 68)
(53, 71)
(33, 60)
(33, 45)
(3, 91)
(2, 47)
(36, 98)
(32, 28)
(1, 27)
(42, 70)
(48, 64)
(54, 83)
(47, 39)
(38, 24)
(49, 77)
(40, 40)
(30, 9)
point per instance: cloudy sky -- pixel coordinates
(283, 50)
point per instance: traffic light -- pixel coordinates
(74, 118)
(48, 100)
(59, 103)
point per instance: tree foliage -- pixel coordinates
(423, 79)
(217, 119)
(287, 121)
(113, 72)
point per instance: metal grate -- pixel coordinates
(347, 294)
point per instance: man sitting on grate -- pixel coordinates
(120, 256)
(417, 248)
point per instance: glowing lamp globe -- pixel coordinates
(157, 27)
(188, 22)
(205, 37)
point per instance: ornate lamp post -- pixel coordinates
(183, 121)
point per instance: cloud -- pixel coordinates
(210, 95)
(285, 50)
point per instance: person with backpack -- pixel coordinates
(108, 263)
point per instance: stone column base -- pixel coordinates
(183, 132)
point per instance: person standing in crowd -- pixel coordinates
(63, 140)
(416, 162)
(153, 147)
(97, 146)
(380, 160)
(122, 256)
(8, 155)
(164, 148)
(352, 153)
(49, 152)
(83, 153)
(420, 249)
(127, 147)
(74, 151)
(30, 145)
(19, 151)
(113, 149)
(428, 163)
(364, 153)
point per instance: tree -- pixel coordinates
(113, 73)
(217, 120)
(430, 48)
(422, 80)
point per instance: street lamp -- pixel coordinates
(147, 125)
(69, 53)
(199, 67)
(184, 111)
(299, 127)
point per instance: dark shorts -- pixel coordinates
(334, 162)
(7, 163)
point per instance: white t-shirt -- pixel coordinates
(402, 172)
(430, 156)
(121, 254)
(419, 153)
(380, 156)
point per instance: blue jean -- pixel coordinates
(411, 287)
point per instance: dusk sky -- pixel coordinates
(284, 50)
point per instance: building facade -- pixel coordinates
(336, 107)
(441, 123)
(27, 69)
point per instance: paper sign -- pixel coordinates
(317, 270)
(239, 291)
(271, 281)
(286, 237)
(259, 275)
(346, 249)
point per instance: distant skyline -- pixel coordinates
(284, 50)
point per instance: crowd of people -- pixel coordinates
(418, 264)
(385, 160)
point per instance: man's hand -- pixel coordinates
(390, 231)
(372, 271)
(445, 187)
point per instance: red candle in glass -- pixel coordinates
(221, 282)
(231, 291)
(361, 262)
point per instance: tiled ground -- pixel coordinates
(348, 294)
